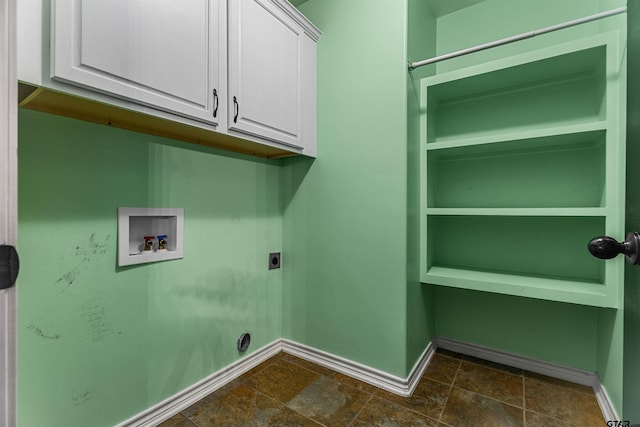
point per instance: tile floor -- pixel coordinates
(455, 390)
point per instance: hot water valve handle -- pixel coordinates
(605, 247)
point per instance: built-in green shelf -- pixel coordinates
(567, 88)
(508, 173)
(532, 212)
(540, 287)
(523, 135)
(530, 246)
(522, 165)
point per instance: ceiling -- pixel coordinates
(297, 3)
(443, 7)
(440, 7)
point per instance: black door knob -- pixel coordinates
(9, 266)
(605, 247)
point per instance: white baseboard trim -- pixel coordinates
(180, 401)
(606, 406)
(567, 373)
(164, 410)
(380, 379)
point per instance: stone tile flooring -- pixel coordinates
(455, 390)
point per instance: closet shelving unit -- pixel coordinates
(522, 164)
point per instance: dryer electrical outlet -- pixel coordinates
(274, 260)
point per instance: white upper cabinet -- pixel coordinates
(271, 74)
(235, 74)
(161, 53)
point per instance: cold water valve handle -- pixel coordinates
(162, 242)
(605, 247)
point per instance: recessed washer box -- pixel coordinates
(137, 226)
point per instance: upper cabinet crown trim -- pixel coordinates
(309, 28)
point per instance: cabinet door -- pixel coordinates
(269, 72)
(159, 53)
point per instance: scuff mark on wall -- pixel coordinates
(39, 332)
(67, 279)
(87, 252)
(79, 397)
(96, 316)
(92, 247)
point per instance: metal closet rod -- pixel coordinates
(527, 35)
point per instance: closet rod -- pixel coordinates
(527, 35)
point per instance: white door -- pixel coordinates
(8, 205)
(162, 53)
(265, 72)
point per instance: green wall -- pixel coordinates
(491, 20)
(551, 331)
(346, 214)
(97, 343)
(421, 43)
